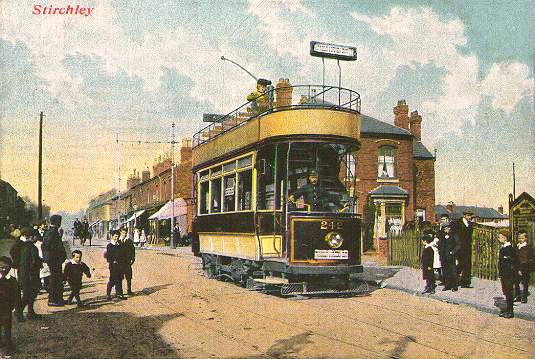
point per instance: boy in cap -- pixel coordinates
(28, 268)
(113, 255)
(9, 300)
(525, 267)
(447, 250)
(428, 255)
(73, 275)
(508, 267)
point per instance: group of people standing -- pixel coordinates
(36, 261)
(121, 255)
(447, 254)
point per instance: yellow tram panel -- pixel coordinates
(271, 246)
(239, 245)
(280, 123)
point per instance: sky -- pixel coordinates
(132, 68)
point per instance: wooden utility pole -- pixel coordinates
(40, 171)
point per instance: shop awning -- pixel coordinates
(135, 215)
(180, 209)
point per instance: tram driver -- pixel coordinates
(315, 196)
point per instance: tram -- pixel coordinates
(252, 223)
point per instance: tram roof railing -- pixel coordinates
(281, 99)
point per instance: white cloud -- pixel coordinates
(507, 83)
(420, 36)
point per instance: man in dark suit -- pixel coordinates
(54, 254)
(448, 248)
(463, 234)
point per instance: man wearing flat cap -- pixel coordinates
(313, 194)
(463, 234)
(260, 100)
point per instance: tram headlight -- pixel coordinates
(334, 239)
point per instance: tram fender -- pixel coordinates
(311, 270)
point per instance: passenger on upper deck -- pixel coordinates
(260, 101)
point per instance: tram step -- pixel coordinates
(271, 280)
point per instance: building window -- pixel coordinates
(386, 162)
(420, 215)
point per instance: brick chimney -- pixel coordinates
(145, 175)
(185, 150)
(416, 125)
(401, 115)
(500, 209)
(450, 206)
(283, 93)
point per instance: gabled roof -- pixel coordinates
(480, 212)
(370, 125)
(420, 151)
(388, 191)
(523, 196)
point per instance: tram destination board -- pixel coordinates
(333, 51)
(331, 254)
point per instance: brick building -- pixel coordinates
(146, 194)
(395, 172)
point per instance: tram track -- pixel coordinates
(476, 336)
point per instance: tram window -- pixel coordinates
(229, 167)
(203, 175)
(265, 192)
(245, 161)
(216, 195)
(229, 194)
(245, 185)
(203, 197)
(216, 171)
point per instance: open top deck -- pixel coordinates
(285, 111)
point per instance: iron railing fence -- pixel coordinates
(405, 249)
(282, 98)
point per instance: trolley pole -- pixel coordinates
(173, 239)
(40, 171)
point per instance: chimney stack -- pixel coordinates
(450, 206)
(185, 150)
(500, 209)
(416, 125)
(401, 115)
(283, 93)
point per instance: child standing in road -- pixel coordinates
(9, 300)
(428, 256)
(74, 269)
(525, 266)
(113, 255)
(508, 267)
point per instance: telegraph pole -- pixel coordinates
(40, 171)
(173, 239)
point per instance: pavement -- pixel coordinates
(486, 295)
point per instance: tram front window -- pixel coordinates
(317, 177)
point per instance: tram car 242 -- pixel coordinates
(274, 191)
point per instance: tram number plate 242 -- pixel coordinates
(331, 254)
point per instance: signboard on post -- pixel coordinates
(333, 51)
(521, 212)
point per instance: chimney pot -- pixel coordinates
(416, 125)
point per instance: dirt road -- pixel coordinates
(178, 313)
